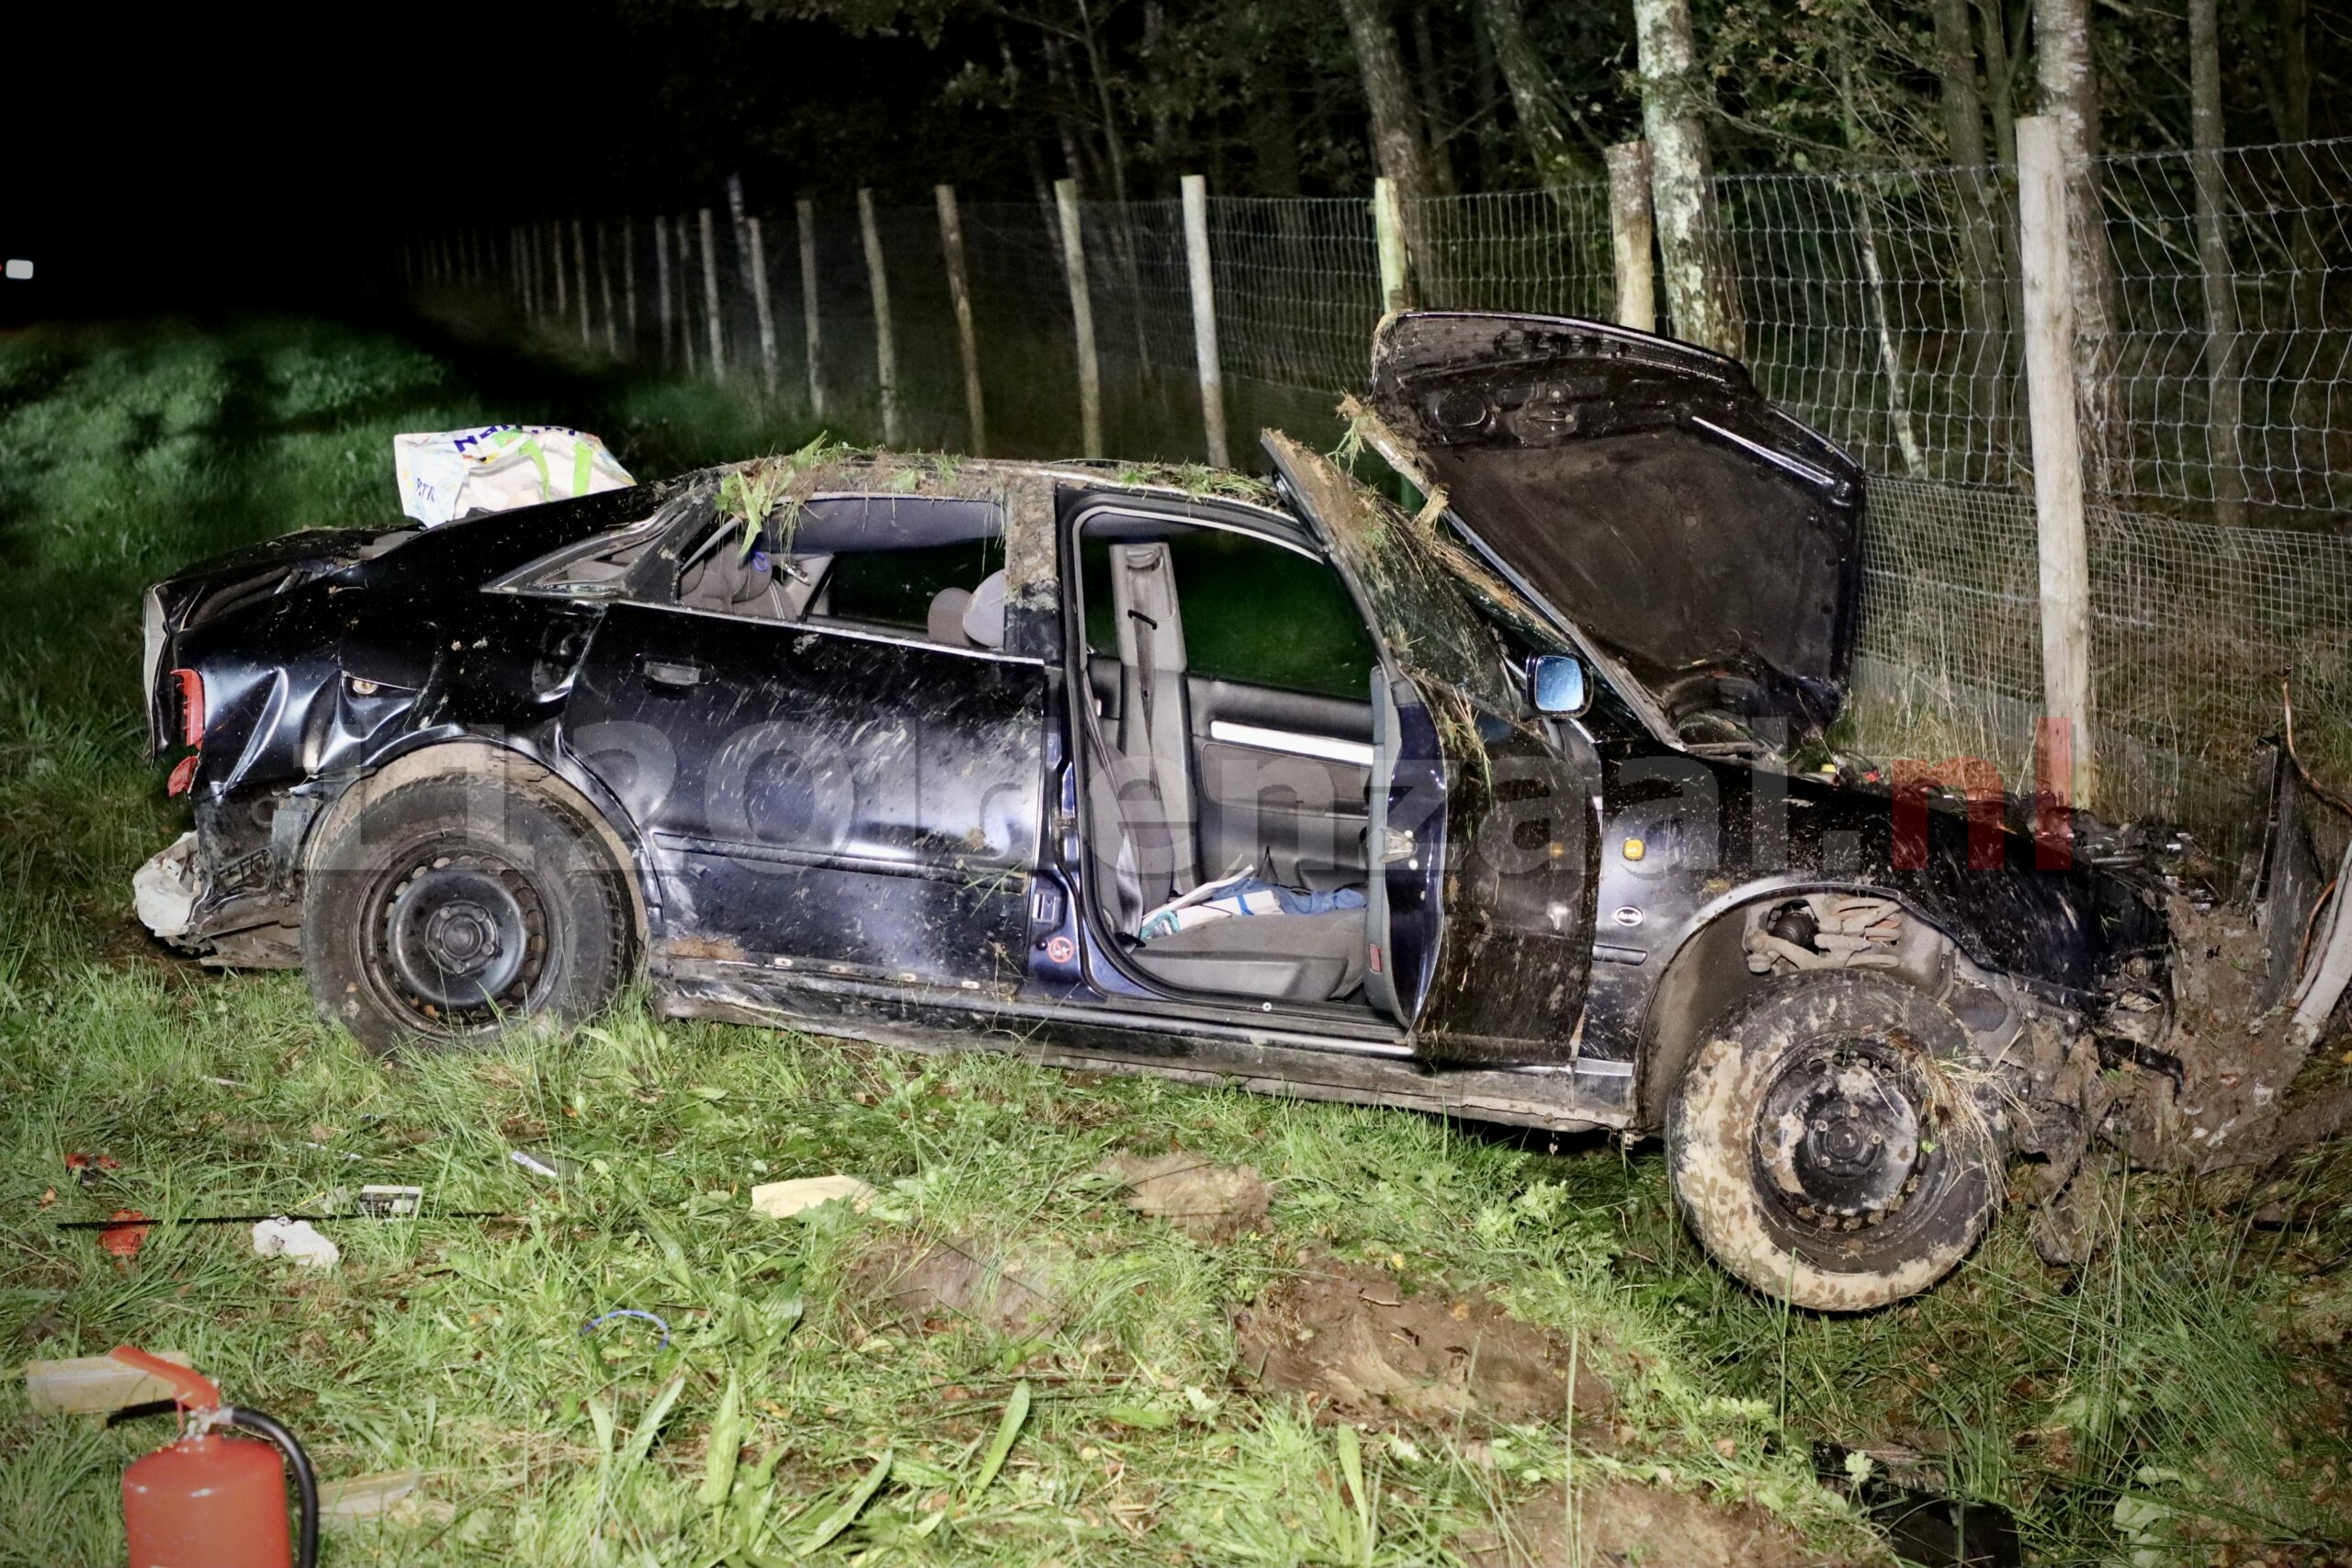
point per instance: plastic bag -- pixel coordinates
(446, 473)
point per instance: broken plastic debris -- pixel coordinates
(90, 1385)
(654, 1318)
(361, 1497)
(124, 1233)
(382, 1202)
(782, 1200)
(295, 1239)
(548, 1165)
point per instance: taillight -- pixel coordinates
(183, 775)
(191, 685)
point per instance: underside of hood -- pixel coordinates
(1645, 491)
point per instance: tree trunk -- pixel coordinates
(1433, 115)
(1274, 138)
(1114, 145)
(2000, 79)
(1700, 293)
(2222, 390)
(2070, 96)
(1397, 140)
(1534, 94)
(1983, 301)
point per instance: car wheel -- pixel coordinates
(459, 908)
(1828, 1142)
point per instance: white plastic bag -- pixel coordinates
(445, 474)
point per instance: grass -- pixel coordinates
(2186, 1372)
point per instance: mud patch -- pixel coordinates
(937, 1286)
(2236, 1059)
(1208, 1203)
(1625, 1522)
(1361, 1349)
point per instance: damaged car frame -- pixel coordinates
(1489, 810)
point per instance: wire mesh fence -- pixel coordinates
(1883, 307)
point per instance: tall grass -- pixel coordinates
(456, 1346)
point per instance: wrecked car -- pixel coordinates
(1505, 807)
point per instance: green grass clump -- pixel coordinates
(2176, 1375)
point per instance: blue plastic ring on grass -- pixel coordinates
(595, 1323)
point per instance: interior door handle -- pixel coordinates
(675, 671)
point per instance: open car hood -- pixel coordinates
(1645, 491)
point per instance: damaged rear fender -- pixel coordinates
(512, 763)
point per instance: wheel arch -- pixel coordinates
(1708, 974)
(476, 757)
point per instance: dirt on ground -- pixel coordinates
(1207, 1201)
(1617, 1524)
(934, 1286)
(2237, 1063)
(1362, 1349)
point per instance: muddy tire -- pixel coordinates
(1825, 1146)
(461, 908)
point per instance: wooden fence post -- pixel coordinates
(712, 318)
(628, 277)
(580, 276)
(2064, 547)
(760, 305)
(885, 353)
(523, 268)
(960, 294)
(812, 334)
(1633, 229)
(753, 254)
(604, 287)
(1081, 308)
(1396, 262)
(555, 254)
(1204, 353)
(685, 294)
(662, 281)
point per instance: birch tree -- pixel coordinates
(1700, 293)
(2069, 91)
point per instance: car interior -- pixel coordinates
(930, 565)
(1228, 732)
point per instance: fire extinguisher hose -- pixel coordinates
(306, 1480)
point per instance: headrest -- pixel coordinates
(945, 621)
(984, 618)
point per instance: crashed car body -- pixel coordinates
(1482, 809)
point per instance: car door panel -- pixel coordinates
(859, 803)
(1283, 777)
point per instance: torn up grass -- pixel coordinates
(2193, 1372)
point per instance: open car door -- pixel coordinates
(1481, 840)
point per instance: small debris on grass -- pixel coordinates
(1207, 1201)
(90, 1385)
(88, 1168)
(1624, 1521)
(297, 1240)
(946, 1281)
(384, 1203)
(552, 1166)
(125, 1232)
(1363, 1351)
(782, 1199)
(359, 1498)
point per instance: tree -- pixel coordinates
(1534, 94)
(1699, 289)
(2223, 410)
(1398, 142)
(2062, 44)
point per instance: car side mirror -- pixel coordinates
(1555, 683)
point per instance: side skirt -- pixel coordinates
(1572, 1097)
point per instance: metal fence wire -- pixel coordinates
(1883, 307)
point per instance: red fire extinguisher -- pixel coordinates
(207, 1501)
